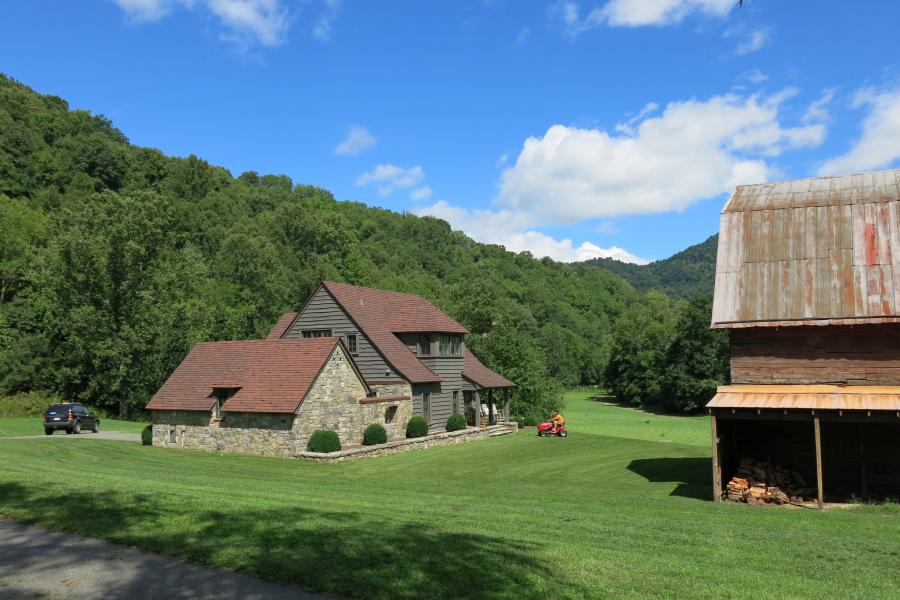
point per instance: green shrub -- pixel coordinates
(520, 420)
(530, 421)
(324, 440)
(456, 422)
(26, 404)
(147, 436)
(416, 427)
(374, 434)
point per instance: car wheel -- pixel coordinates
(95, 428)
(69, 431)
(77, 428)
(48, 431)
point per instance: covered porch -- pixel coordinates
(486, 394)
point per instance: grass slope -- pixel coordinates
(611, 511)
(16, 426)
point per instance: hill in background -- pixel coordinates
(684, 275)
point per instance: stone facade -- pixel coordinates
(336, 401)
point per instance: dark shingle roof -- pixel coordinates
(475, 371)
(281, 327)
(274, 376)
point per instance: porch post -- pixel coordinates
(818, 433)
(491, 418)
(506, 404)
(716, 473)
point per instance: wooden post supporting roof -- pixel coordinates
(491, 418)
(716, 472)
(818, 431)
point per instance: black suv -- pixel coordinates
(71, 417)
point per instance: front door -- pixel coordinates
(470, 409)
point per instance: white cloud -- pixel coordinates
(514, 232)
(754, 76)
(358, 139)
(691, 151)
(879, 144)
(817, 111)
(634, 13)
(751, 40)
(246, 21)
(322, 28)
(421, 193)
(390, 178)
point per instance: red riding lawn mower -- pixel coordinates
(552, 428)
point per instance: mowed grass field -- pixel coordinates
(619, 509)
(19, 426)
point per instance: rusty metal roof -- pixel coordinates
(807, 397)
(794, 252)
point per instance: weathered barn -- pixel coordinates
(808, 287)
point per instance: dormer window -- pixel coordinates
(316, 333)
(222, 395)
(426, 342)
(450, 345)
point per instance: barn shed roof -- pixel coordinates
(807, 397)
(810, 251)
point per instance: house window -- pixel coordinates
(351, 343)
(172, 435)
(449, 345)
(425, 344)
(389, 414)
(316, 333)
(455, 403)
(426, 406)
(222, 395)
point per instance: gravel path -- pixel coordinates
(36, 563)
(84, 435)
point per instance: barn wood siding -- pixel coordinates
(323, 312)
(854, 355)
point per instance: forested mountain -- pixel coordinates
(116, 259)
(689, 273)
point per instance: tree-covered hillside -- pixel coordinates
(684, 275)
(115, 259)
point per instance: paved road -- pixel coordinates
(36, 563)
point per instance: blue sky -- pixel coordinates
(570, 129)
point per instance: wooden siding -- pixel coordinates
(450, 369)
(853, 355)
(837, 261)
(323, 312)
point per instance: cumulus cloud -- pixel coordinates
(514, 231)
(750, 40)
(691, 151)
(421, 193)
(879, 144)
(358, 139)
(389, 178)
(245, 21)
(634, 13)
(322, 28)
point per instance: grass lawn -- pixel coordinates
(16, 426)
(618, 509)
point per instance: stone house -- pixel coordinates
(352, 356)
(405, 347)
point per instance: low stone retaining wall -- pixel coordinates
(445, 438)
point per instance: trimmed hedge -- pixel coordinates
(520, 421)
(416, 427)
(456, 422)
(374, 434)
(324, 440)
(147, 436)
(531, 421)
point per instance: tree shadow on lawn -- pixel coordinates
(693, 474)
(346, 553)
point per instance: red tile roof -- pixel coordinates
(475, 371)
(381, 314)
(274, 376)
(281, 327)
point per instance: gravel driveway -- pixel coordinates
(36, 563)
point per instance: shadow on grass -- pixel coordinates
(693, 475)
(346, 553)
(649, 409)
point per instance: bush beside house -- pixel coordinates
(456, 423)
(324, 440)
(416, 427)
(374, 434)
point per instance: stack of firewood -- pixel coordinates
(764, 483)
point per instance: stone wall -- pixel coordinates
(333, 403)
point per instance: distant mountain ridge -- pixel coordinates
(683, 275)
